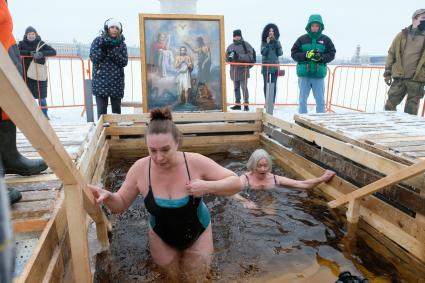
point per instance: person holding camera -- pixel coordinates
(240, 51)
(271, 49)
(312, 51)
(108, 52)
(405, 66)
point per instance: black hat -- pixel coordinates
(237, 32)
(30, 29)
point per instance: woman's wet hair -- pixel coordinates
(161, 122)
(256, 156)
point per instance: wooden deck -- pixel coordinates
(42, 195)
(398, 136)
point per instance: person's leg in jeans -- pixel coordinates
(236, 87)
(116, 105)
(305, 86)
(43, 103)
(101, 105)
(318, 87)
(244, 86)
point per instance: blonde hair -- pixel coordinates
(256, 156)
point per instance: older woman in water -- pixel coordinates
(172, 184)
(259, 177)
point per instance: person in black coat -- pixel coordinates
(108, 52)
(27, 48)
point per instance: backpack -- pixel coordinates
(254, 55)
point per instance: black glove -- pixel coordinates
(37, 55)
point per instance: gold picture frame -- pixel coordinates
(183, 62)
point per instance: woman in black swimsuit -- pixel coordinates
(172, 184)
(259, 177)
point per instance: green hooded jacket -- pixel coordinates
(313, 41)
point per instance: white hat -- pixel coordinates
(114, 23)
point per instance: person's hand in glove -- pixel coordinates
(317, 56)
(310, 54)
(388, 80)
(37, 55)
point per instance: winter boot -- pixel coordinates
(236, 107)
(246, 108)
(13, 161)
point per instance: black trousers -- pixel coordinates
(102, 105)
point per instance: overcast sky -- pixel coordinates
(370, 23)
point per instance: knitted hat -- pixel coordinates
(30, 29)
(418, 12)
(114, 23)
(237, 32)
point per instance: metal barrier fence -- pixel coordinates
(349, 88)
(361, 89)
(65, 84)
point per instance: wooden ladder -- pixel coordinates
(17, 101)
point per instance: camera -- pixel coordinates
(232, 56)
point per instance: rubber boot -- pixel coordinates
(14, 195)
(13, 161)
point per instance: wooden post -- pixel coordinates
(76, 217)
(353, 212)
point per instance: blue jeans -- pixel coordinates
(318, 87)
(43, 102)
(270, 78)
(237, 87)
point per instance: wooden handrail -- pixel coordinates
(389, 180)
(18, 102)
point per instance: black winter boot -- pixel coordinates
(13, 161)
(14, 195)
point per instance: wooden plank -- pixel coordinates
(32, 209)
(16, 100)
(38, 262)
(88, 162)
(355, 141)
(381, 218)
(397, 177)
(353, 211)
(350, 171)
(10, 180)
(357, 154)
(179, 117)
(55, 270)
(125, 144)
(408, 266)
(29, 225)
(100, 168)
(39, 195)
(190, 128)
(77, 230)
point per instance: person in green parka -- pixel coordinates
(312, 51)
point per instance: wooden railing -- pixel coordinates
(17, 101)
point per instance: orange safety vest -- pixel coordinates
(6, 36)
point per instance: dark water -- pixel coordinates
(292, 237)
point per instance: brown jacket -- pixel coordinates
(394, 66)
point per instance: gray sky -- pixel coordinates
(370, 23)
